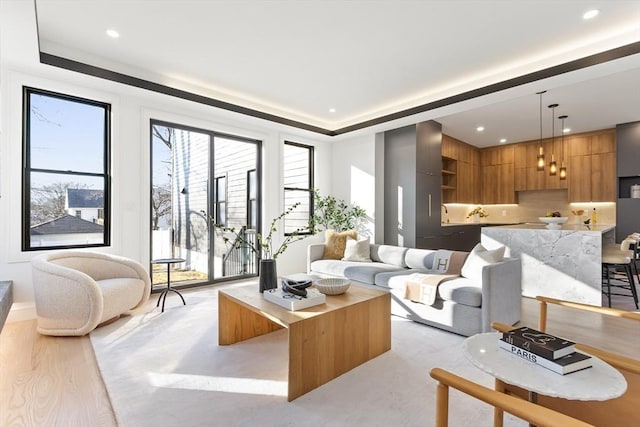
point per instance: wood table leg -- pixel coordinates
(238, 323)
(498, 414)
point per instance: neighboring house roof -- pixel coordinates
(82, 198)
(67, 224)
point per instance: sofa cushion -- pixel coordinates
(463, 291)
(367, 272)
(421, 259)
(478, 258)
(357, 250)
(362, 272)
(335, 243)
(383, 279)
(387, 254)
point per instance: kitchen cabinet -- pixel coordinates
(526, 174)
(429, 147)
(591, 167)
(497, 175)
(628, 174)
(460, 237)
(412, 185)
(460, 171)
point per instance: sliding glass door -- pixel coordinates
(200, 178)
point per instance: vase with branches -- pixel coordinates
(263, 248)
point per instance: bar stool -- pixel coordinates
(614, 257)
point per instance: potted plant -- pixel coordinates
(477, 213)
(264, 248)
(333, 214)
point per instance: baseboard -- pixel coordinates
(22, 311)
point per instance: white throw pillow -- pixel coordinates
(357, 250)
(478, 258)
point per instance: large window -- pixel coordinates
(200, 178)
(298, 186)
(65, 180)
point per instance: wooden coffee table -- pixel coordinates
(325, 341)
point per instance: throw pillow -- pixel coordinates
(335, 243)
(478, 258)
(357, 250)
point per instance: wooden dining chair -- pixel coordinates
(620, 412)
(535, 414)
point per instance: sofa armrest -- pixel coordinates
(501, 293)
(314, 253)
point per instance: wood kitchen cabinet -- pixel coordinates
(460, 172)
(497, 175)
(591, 175)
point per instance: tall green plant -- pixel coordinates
(332, 213)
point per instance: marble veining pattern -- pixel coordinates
(564, 264)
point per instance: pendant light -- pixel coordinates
(553, 166)
(563, 168)
(540, 159)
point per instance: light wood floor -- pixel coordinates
(54, 381)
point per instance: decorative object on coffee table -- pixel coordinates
(263, 247)
(332, 286)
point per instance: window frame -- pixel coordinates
(310, 190)
(251, 210)
(217, 202)
(26, 190)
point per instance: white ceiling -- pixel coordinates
(297, 59)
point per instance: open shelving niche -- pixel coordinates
(449, 179)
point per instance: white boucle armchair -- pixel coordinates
(77, 291)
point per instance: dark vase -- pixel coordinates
(268, 275)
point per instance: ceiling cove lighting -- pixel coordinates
(553, 166)
(590, 14)
(563, 168)
(112, 33)
(540, 159)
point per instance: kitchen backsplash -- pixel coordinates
(531, 205)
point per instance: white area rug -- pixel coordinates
(166, 369)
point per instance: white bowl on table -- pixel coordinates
(332, 286)
(553, 222)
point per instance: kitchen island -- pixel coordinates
(564, 264)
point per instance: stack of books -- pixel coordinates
(548, 351)
(294, 302)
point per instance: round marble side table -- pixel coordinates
(600, 382)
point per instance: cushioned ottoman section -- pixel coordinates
(421, 259)
(393, 255)
(462, 290)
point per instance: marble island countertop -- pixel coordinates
(599, 228)
(564, 264)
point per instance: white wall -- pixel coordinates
(132, 108)
(353, 173)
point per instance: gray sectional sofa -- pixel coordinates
(464, 305)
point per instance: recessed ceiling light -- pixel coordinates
(332, 110)
(566, 130)
(112, 33)
(503, 140)
(480, 128)
(590, 14)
